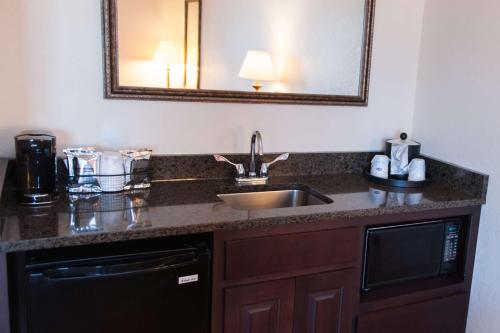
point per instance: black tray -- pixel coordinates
(398, 181)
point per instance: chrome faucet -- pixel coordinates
(256, 136)
(252, 178)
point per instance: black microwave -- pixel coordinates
(407, 252)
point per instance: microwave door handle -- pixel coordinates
(99, 271)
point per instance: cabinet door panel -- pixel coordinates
(324, 303)
(291, 252)
(445, 315)
(260, 308)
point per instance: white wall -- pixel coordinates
(457, 118)
(51, 77)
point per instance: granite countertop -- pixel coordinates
(177, 207)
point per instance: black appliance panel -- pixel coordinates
(408, 252)
(149, 292)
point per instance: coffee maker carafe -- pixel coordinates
(36, 167)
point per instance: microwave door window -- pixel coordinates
(403, 253)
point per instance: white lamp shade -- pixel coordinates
(257, 66)
(164, 52)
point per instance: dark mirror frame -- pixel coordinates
(114, 91)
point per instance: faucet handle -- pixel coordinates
(240, 169)
(264, 168)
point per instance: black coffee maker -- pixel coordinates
(36, 167)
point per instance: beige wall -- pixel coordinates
(51, 77)
(457, 119)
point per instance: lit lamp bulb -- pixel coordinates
(257, 66)
(163, 55)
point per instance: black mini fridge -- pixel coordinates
(161, 291)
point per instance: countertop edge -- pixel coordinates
(461, 178)
(108, 237)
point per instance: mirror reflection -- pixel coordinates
(158, 43)
(278, 46)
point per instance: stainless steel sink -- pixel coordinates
(268, 199)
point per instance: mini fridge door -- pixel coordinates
(157, 292)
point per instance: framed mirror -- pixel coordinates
(259, 51)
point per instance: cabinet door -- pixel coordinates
(444, 315)
(260, 308)
(324, 303)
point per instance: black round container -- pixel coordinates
(398, 181)
(36, 167)
(413, 147)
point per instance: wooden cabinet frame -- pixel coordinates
(399, 296)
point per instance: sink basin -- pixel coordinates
(294, 197)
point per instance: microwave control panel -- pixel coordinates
(452, 233)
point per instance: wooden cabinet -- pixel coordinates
(261, 308)
(324, 303)
(442, 315)
(306, 278)
(321, 303)
(290, 252)
(287, 282)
